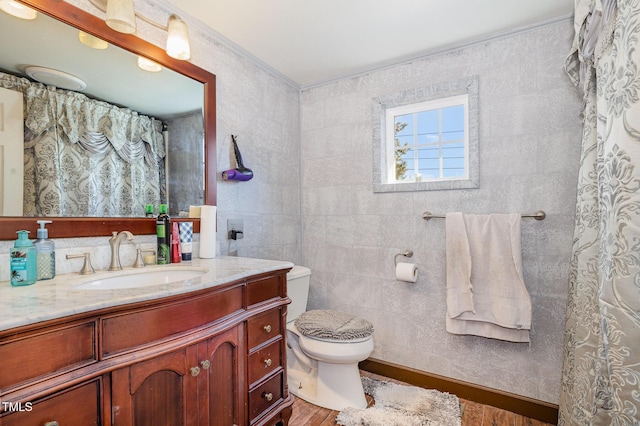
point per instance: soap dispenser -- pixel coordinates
(23, 261)
(46, 256)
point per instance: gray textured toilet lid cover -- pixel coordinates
(336, 325)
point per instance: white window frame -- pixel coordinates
(438, 104)
(382, 132)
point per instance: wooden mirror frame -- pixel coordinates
(66, 227)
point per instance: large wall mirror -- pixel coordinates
(191, 110)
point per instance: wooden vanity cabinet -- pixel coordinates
(266, 376)
(197, 385)
(215, 357)
(78, 405)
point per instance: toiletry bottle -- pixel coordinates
(45, 253)
(23, 261)
(148, 210)
(186, 238)
(163, 232)
(176, 255)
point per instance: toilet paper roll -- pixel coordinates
(208, 224)
(406, 272)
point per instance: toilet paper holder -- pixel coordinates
(406, 253)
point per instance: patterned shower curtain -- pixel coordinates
(601, 371)
(85, 157)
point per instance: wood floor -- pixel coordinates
(306, 414)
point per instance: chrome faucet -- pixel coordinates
(114, 242)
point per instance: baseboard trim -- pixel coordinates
(522, 405)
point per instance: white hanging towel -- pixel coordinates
(486, 295)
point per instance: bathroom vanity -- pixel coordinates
(204, 350)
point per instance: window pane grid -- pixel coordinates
(431, 142)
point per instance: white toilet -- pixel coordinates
(322, 358)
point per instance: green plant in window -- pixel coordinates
(400, 150)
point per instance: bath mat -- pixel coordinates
(400, 405)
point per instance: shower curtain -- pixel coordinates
(601, 370)
(85, 157)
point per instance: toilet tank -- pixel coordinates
(298, 291)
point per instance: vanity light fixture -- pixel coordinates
(148, 65)
(92, 41)
(121, 16)
(178, 39)
(17, 10)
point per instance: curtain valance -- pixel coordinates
(74, 115)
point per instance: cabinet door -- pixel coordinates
(223, 367)
(79, 405)
(152, 392)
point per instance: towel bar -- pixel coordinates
(537, 215)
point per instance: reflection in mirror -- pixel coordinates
(119, 139)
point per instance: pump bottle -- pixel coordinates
(45, 250)
(23, 261)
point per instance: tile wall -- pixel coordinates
(529, 153)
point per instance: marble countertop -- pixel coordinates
(59, 297)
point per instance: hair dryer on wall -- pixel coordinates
(240, 173)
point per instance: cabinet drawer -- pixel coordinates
(77, 406)
(127, 331)
(265, 360)
(265, 289)
(263, 327)
(265, 396)
(48, 352)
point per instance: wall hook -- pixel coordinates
(240, 173)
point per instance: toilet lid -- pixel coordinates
(334, 325)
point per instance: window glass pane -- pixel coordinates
(453, 135)
(430, 152)
(453, 119)
(428, 138)
(404, 164)
(428, 122)
(404, 140)
(430, 173)
(404, 124)
(453, 163)
(450, 173)
(453, 150)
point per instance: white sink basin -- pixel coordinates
(142, 278)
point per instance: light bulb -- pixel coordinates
(92, 41)
(18, 10)
(148, 65)
(178, 39)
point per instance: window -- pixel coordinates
(430, 140)
(427, 138)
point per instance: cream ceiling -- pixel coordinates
(314, 41)
(307, 42)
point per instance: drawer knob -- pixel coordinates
(267, 328)
(268, 396)
(53, 423)
(195, 371)
(267, 362)
(205, 364)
